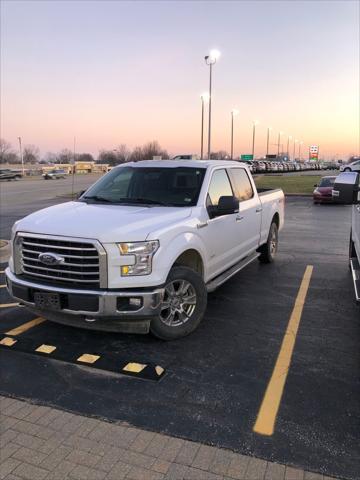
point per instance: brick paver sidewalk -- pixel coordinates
(39, 443)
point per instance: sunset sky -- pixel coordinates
(113, 72)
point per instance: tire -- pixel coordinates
(269, 249)
(174, 323)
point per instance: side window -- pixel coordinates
(241, 183)
(219, 187)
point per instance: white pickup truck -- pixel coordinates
(142, 247)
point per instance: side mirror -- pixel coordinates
(346, 188)
(227, 206)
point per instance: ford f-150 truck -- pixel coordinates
(346, 190)
(142, 247)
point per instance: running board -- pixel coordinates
(355, 270)
(219, 280)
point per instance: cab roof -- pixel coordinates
(183, 163)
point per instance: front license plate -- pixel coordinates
(47, 300)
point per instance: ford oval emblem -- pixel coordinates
(49, 258)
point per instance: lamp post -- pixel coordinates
(21, 156)
(267, 140)
(295, 142)
(211, 60)
(287, 149)
(278, 144)
(255, 122)
(204, 98)
(233, 113)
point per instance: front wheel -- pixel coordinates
(183, 305)
(269, 249)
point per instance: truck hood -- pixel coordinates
(106, 223)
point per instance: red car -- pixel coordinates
(323, 191)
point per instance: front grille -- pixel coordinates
(80, 269)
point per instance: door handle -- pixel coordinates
(358, 208)
(258, 210)
(239, 218)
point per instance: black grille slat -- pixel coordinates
(81, 264)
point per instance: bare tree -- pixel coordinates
(137, 154)
(122, 153)
(107, 156)
(65, 156)
(84, 157)
(31, 154)
(5, 150)
(152, 149)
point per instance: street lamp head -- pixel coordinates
(234, 112)
(205, 96)
(212, 57)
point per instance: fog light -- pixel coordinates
(136, 302)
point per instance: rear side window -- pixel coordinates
(241, 183)
(219, 187)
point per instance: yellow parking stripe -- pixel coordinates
(26, 326)
(7, 341)
(3, 286)
(159, 370)
(134, 367)
(8, 305)
(87, 358)
(266, 418)
(45, 349)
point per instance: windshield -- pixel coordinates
(149, 185)
(327, 182)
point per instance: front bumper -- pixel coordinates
(109, 310)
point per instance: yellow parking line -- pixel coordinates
(45, 349)
(8, 305)
(26, 326)
(266, 418)
(3, 286)
(8, 342)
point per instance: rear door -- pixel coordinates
(249, 218)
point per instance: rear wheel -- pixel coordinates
(269, 249)
(183, 305)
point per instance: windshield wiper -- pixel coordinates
(97, 198)
(147, 201)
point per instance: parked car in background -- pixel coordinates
(323, 190)
(55, 174)
(8, 174)
(351, 167)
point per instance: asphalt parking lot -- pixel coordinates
(211, 386)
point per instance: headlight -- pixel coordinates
(143, 253)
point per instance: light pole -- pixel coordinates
(21, 156)
(287, 149)
(295, 142)
(204, 98)
(267, 140)
(278, 144)
(255, 122)
(210, 60)
(233, 113)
